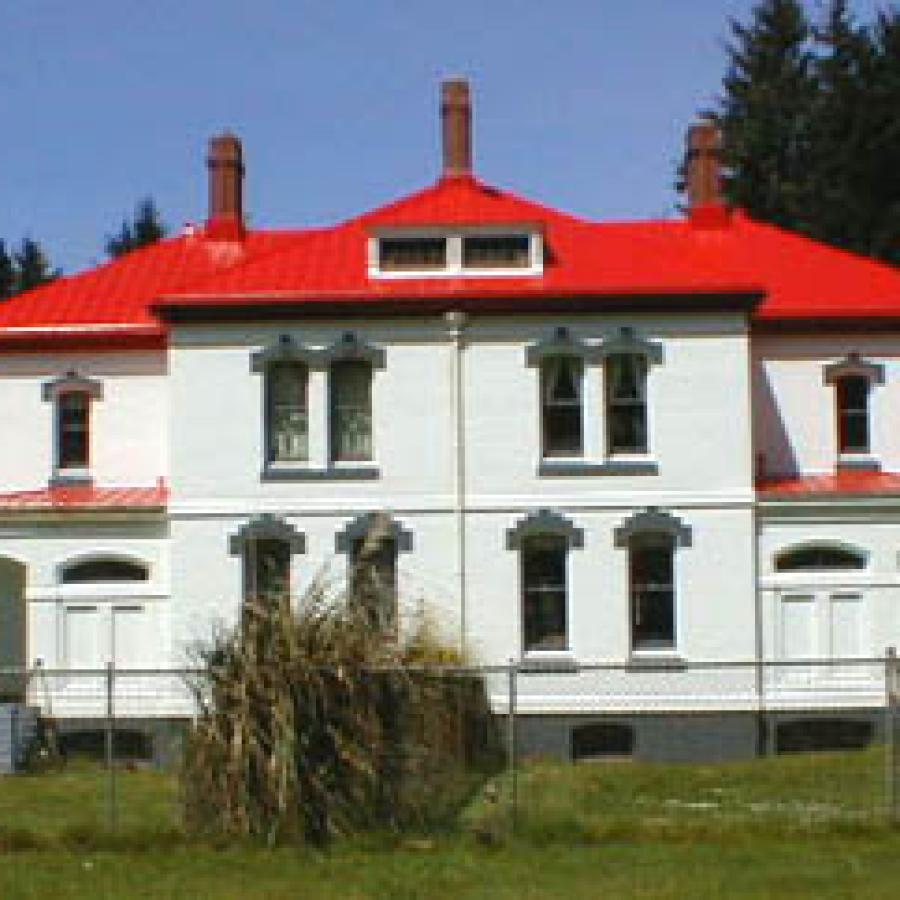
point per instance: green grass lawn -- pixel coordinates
(799, 826)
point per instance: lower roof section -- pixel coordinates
(847, 483)
(86, 498)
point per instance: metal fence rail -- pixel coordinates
(724, 715)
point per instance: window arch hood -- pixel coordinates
(544, 523)
(650, 522)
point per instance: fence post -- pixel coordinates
(890, 725)
(511, 760)
(110, 748)
(14, 736)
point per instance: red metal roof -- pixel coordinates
(798, 279)
(114, 299)
(844, 483)
(86, 497)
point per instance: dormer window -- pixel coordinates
(412, 254)
(456, 254)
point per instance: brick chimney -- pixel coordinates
(703, 175)
(225, 162)
(456, 127)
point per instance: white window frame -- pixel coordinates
(54, 392)
(854, 366)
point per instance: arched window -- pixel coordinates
(543, 540)
(372, 543)
(544, 602)
(628, 358)
(561, 378)
(853, 414)
(853, 379)
(626, 403)
(266, 545)
(287, 418)
(351, 410)
(103, 569)
(72, 396)
(651, 538)
(651, 570)
(819, 556)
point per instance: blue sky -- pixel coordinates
(579, 104)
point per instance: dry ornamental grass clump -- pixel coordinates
(315, 723)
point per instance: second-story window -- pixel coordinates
(288, 412)
(852, 393)
(561, 407)
(73, 414)
(626, 403)
(351, 410)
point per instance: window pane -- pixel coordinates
(626, 407)
(373, 579)
(268, 567)
(544, 594)
(351, 411)
(399, 254)
(820, 557)
(288, 413)
(561, 414)
(502, 251)
(853, 414)
(72, 430)
(652, 595)
(104, 570)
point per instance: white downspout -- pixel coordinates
(456, 321)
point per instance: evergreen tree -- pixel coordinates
(882, 226)
(7, 273)
(32, 266)
(146, 228)
(765, 112)
(809, 115)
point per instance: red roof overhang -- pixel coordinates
(86, 498)
(841, 484)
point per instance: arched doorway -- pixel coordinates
(12, 628)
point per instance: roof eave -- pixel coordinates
(245, 307)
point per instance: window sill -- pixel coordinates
(557, 468)
(71, 478)
(858, 462)
(281, 472)
(548, 663)
(656, 660)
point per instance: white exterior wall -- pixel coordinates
(794, 410)
(875, 624)
(129, 425)
(698, 403)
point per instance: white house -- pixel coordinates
(651, 443)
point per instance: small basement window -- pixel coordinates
(497, 251)
(412, 253)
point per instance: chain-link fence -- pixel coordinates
(586, 746)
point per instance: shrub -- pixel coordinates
(314, 723)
